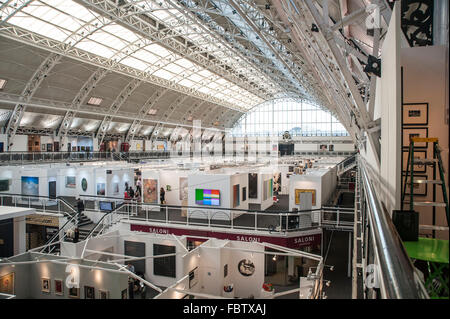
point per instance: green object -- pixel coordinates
(435, 253)
(428, 249)
(198, 194)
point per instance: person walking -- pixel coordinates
(80, 209)
(162, 195)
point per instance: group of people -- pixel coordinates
(131, 194)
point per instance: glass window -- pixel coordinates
(300, 118)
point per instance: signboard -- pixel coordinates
(43, 220)
(294, 242)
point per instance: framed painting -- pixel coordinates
(71, 182)
(89, 292)
(150, 191)
(419, 189)
(252, 185)
(74, 292)
(45, 285)
(418, 154)
(30, 187)
(59, 288)
(415, 114)
(103, 294)
(409, 132)
(124, 294)
(193, 277)
(101, 189)
(183, 188)
(299, 191)
(244, 194)
(7, 284)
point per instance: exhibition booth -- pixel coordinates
(103, 267)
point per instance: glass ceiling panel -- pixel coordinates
(60, 19)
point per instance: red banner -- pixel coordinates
(294, 242)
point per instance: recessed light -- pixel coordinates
(95, 101)
(2, 83)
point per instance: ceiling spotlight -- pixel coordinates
(274, 257)
(314, 28)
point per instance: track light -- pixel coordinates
(274, 257)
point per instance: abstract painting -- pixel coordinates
(101, 189)
(236, 197)
(246, 267)
(150, 191)
(299, 191)
(30, 186)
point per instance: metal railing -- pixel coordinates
(236, 219)
(346, 164)
(383, 249)
(8, 158)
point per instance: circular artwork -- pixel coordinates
(84, 184)
(246, 267)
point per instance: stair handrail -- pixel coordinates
(114, 211)
(397, 272)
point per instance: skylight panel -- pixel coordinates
(95, 48)
(40, 27)
(205, 90)
(187, 83)
(213, 85)
(134, 63)
(146, 56)
(195, 77)
(109, 40)
(205, 73)
(158, 50)
(72, 8)
(121, 32)
(185, 63)
(163, 74)
(174, 68)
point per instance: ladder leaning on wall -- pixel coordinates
(436, 163)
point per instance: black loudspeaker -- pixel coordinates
(407, 224)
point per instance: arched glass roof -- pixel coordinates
(300, 118)
(79, 27)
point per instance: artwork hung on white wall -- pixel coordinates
(45, 285)
(103, 294)
(84, 184)
(246, 267)
(59, 288)
(409, 132)
(150, 191)
(101, 189)
(415, 114)
(7, 284)
(183, 188)
(71, 182)
(30, 187)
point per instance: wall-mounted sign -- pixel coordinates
(43, 220)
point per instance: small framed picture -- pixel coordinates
(59, 288)
(45, 285)
(125, 294)
(415, 114)
(74, 292)
(89, 292)
(409, 132)
(103, 294)
(418, 154)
